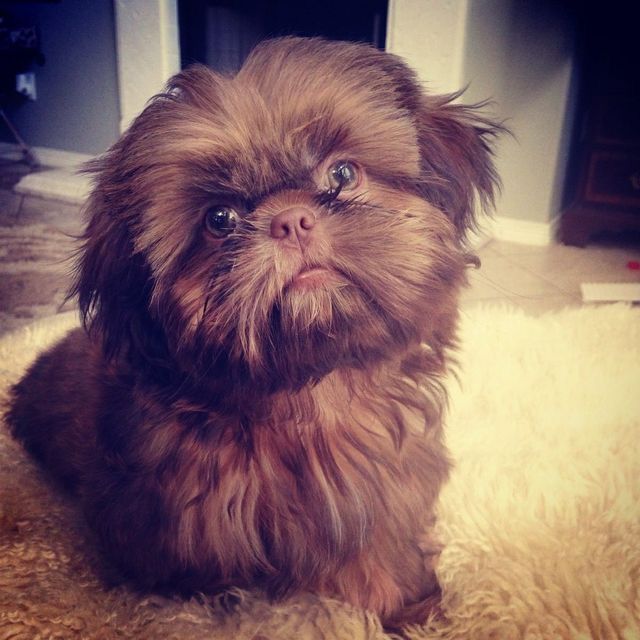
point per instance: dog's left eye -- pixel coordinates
(343, 176)
(221, 221)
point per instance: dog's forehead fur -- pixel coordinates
(291, 105)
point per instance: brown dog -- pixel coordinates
(268, 283)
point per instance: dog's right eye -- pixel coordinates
(221, 221)
(343, 176)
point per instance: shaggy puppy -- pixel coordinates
(268, 283)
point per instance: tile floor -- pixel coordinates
(36, 242)
(536, 279)
(540, 279)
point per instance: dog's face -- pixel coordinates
(303, 215)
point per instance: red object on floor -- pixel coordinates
(634, 265)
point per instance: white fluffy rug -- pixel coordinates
(541, 519)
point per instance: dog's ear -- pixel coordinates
(456, 151)
(114, 281)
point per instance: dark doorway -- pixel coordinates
(221, 33)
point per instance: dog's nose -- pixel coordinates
(294, 225)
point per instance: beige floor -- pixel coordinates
(540, 279)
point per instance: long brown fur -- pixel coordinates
(221, 426)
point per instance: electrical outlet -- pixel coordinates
(26, 85)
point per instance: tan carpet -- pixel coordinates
(541, 519)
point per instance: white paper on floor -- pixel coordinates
(610, 291)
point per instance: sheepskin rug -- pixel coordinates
(541, 518)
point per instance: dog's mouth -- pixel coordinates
(312, 277)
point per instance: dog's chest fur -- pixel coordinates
(308, 484)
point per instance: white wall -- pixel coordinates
(430, 35)
(148, 51)
(520, 54)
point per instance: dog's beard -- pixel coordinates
(315, 332)
(286, 336)
(276, 332)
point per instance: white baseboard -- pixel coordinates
(482, 234)
(62, 184)
(46, 156)
(58, 177)
(538, 234)
(511, 230)
(477, 239)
